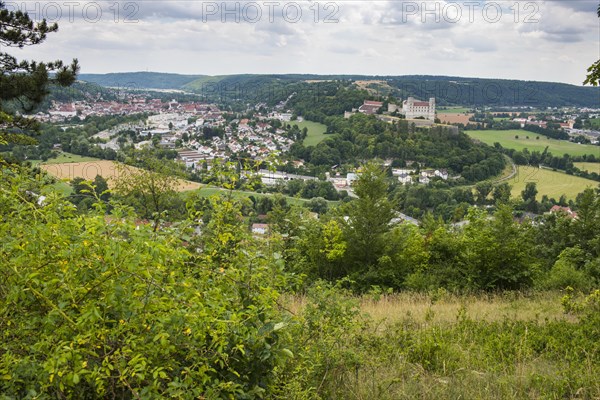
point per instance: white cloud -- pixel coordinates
(370, 37)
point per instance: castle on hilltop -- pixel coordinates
(412, 108)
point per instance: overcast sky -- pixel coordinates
(537, 40)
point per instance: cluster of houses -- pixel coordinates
(257, 141)
(169, 125)
(134, 104)
(566, 123)
(408, 176)
(531, 120)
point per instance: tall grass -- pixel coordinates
(445, 346)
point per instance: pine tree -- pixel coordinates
(24, 84)
(593, 76)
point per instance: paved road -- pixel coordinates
(512, 174)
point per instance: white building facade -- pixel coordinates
(412, 108)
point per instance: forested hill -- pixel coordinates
(496, 92)
(140, 80)
(446, 89)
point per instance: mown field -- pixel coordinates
(548, 182)
(453, 110)
(316, 132)
(557, 147)
(588, 166)
(454, 118)
(64, 157)
(89, 169)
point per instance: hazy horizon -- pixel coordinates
(83, 72)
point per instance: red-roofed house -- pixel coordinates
(370, 107)
(570, 213)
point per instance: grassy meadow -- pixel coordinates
(548, 182)
(442, 307)
(588, 166)
(316, 132)
(443, 346)
(65, 157)
(557, 147)
(453, 110)
(595, 122)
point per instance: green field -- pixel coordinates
(64, 157)
(453, 110)
(557, 147)
(207, 191)
(548, 182)
(594, 122)
(62, 187)
(316, 132)
(588, 166)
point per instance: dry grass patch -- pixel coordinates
(444, 308)
(107, 169)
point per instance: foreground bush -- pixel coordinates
(101, 307)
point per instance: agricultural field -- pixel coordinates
(588, 166)
(64, 157)
(548, 182)
(454, 118)
(453, 110)
(89, 169)
(316, 132)
(594, 122)
(557, 147)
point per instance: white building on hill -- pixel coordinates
(412, 108)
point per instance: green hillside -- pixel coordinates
(588, 166)
(315, 134)
(508, 139)
(551, 183)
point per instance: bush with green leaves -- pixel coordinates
(95, 306)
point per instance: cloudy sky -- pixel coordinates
(531, 40)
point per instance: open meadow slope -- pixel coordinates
(548, 182)
(508, 140)
(588, 166)
(316, 132)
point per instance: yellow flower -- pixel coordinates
(187, 331)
